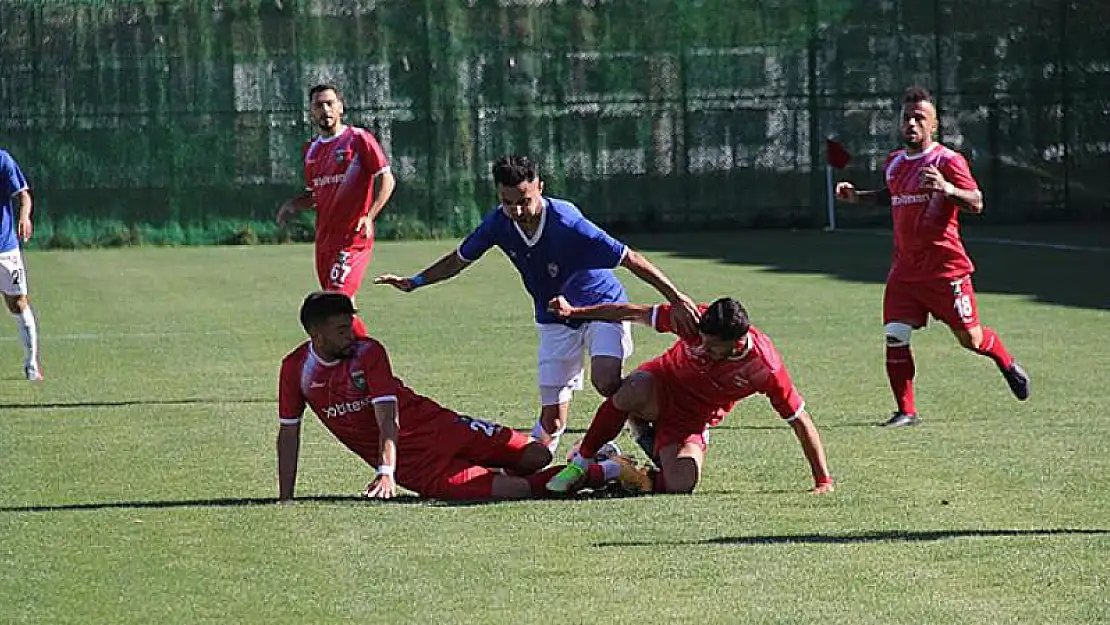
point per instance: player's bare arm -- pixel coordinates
(685, 310)
(970, 200)
(24, 228)
(814, 452)
(449, 266)
(386, 184)
(288, 449)
(847, 192)
(639, 313)
(384, 485)
(294, 205)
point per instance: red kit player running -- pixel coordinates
(927, 185)
(340, 170)
(409, 439)
(676, 397)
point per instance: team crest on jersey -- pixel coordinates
(552, 269)
(358, 380)
(342, 156)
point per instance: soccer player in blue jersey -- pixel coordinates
(558, 251)
(15, 226)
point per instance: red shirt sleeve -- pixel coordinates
(662, 319)
(956, 170)
(304, 165)
(381, 384)
(370, 153)
(780, 391)
(291, 402)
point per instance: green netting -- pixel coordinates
(649, 113)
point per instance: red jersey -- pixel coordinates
(343, 393)
(339, 172)
(927, 242)
(711, 388)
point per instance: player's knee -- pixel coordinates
(969, 340)
(681, 479)
(606, 383)
(634, 392)
(898, 334)
(535, 457)
(16, 303)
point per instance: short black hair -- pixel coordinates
(916, 94)
(509, 171)
(319, 306)
(725, 319)
(322, 87)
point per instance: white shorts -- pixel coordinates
(563, 349)
(13, 277)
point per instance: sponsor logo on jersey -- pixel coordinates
(904, 199)
(345, 408)
(358, 380)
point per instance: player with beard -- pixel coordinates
(927, 185)
(342, 166)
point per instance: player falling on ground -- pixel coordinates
(16, 227)
(557, 250)
(409, 439)
(927, 185)
(340, 170)
(689, 389)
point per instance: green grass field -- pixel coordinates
(138, 479)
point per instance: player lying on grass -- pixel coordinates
(409, 439)
(690, 388)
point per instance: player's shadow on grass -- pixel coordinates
(133, 402)
(863, 537)
(244, 502)
(1072, 277)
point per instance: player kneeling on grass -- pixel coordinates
(409, 439)
(678, 396)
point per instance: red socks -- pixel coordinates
(900, 370)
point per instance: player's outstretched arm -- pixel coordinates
(847, 192)
(814, 451)
(561, 308)
(686, 313)
(288, 449)
(449, 266)
(292, 206)
(384, 485)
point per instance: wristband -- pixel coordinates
(822, 481)
(418, 281)
(386, 469)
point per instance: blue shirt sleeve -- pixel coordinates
(594, 248)
(478, 242)
(14, 181)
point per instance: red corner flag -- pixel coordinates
(836, 155)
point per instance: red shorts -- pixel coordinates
(951, 300)
(458, 463)
(676, 423)
(341, 269)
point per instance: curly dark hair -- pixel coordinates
(509, 171)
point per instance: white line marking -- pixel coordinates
(1064, 247)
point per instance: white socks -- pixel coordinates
(551, 441)
(29, 333)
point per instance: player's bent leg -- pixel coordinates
(986, 342)
(554, 412)
(610, 344)
(560, 372)
(20, 308)
(681, 467)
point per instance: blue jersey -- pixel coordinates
(567, 255)
(13, 182)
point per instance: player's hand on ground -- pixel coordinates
(25, 229)
(560, 307)
(846, 191)
(365, 227)
(398, 282)
(383, 487)
(686, 315)
(822, 488)
(933, 180)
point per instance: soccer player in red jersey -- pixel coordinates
(410, 440)
(678, 396)
(342, 167)
(927, 185)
